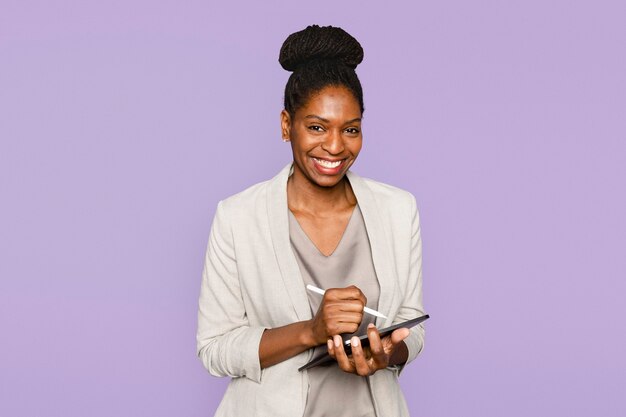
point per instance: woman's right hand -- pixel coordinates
(341, 311)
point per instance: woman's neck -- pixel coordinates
(306, 197)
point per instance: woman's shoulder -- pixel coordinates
(247, 198)
(384, 193)
(396, 205)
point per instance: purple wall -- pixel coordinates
(122, 124)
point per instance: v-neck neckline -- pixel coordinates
(339, 244)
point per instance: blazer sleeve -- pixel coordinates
(412, 305)
(226, 343)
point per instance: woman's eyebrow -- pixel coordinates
(313, 116)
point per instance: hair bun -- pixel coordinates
(320, 43)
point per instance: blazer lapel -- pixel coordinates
(278, 213)
(381, 253)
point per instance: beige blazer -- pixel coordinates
(251, 281)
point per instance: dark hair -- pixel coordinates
(319, 57)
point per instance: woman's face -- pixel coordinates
(325, 135)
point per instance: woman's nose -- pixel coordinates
(333, 143)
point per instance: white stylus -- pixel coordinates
(366, 309)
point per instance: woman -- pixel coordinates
(315, 223)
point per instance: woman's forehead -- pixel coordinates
(332, 102)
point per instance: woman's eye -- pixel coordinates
(316, 128)
(352, 130)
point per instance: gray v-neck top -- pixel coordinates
(333, 392)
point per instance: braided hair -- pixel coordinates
(319, 57)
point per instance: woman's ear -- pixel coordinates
(285, 125)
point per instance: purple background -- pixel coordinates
(122, 124)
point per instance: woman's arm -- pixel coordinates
(284, 342)
(227, 344)
(412, 305)
(341, 311)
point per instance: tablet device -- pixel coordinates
(325, 357)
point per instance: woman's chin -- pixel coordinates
(327, 181)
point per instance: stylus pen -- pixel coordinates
(366, 309)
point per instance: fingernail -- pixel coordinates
(337, 340)
(371, 326)
(329, 343)
(354, 341)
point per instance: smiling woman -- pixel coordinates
(316, 223)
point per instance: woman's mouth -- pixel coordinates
(327, 167)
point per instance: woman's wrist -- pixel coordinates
(400, 354)
(281, 343)
(308, 335)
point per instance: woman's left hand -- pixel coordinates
(366, 361)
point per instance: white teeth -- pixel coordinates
(328, 164)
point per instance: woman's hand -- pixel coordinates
(341, 311)
(390, 350)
